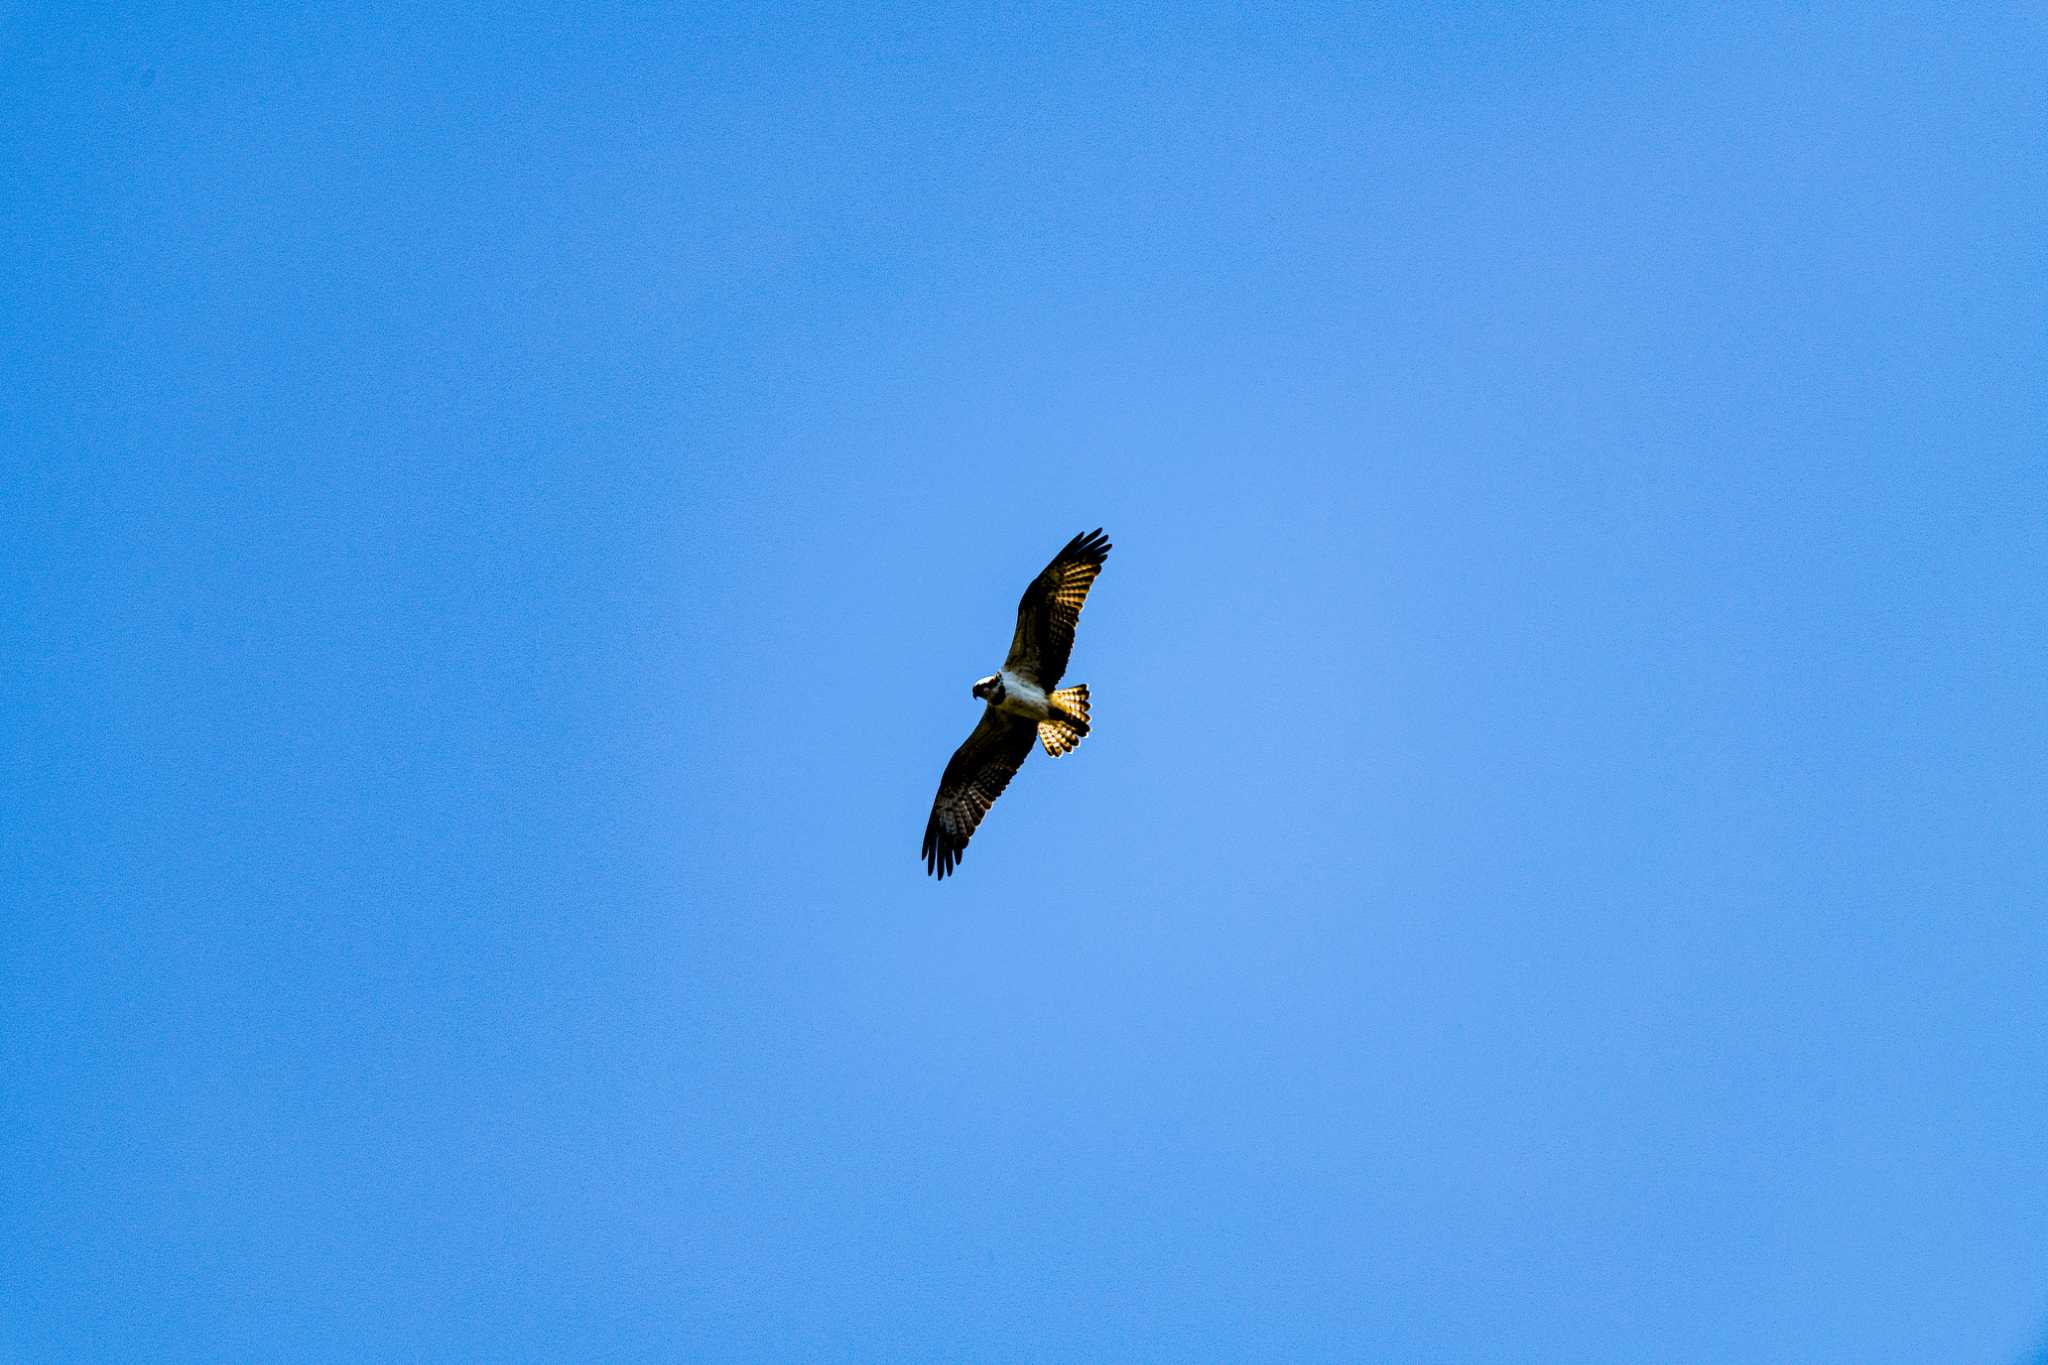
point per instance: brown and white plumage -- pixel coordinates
(975, 777)
(1023, 704)
(1051, 608)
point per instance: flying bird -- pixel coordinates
(1022, 703)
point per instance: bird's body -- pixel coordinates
(1023, 703)
(1022, 697)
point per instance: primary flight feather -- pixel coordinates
(1022, 703)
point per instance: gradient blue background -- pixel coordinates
(501, 515)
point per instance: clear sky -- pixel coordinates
(500, 515)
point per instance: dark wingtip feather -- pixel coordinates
(1089, 545)
(940, 855)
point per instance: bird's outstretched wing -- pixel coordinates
(975, 777)
(1051, 607)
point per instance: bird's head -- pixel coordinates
(990, 689)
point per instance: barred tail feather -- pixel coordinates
(1068, 726)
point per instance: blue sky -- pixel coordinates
(502, 514)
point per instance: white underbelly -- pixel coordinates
(1020, 698)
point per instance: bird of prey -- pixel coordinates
(1022, 703)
